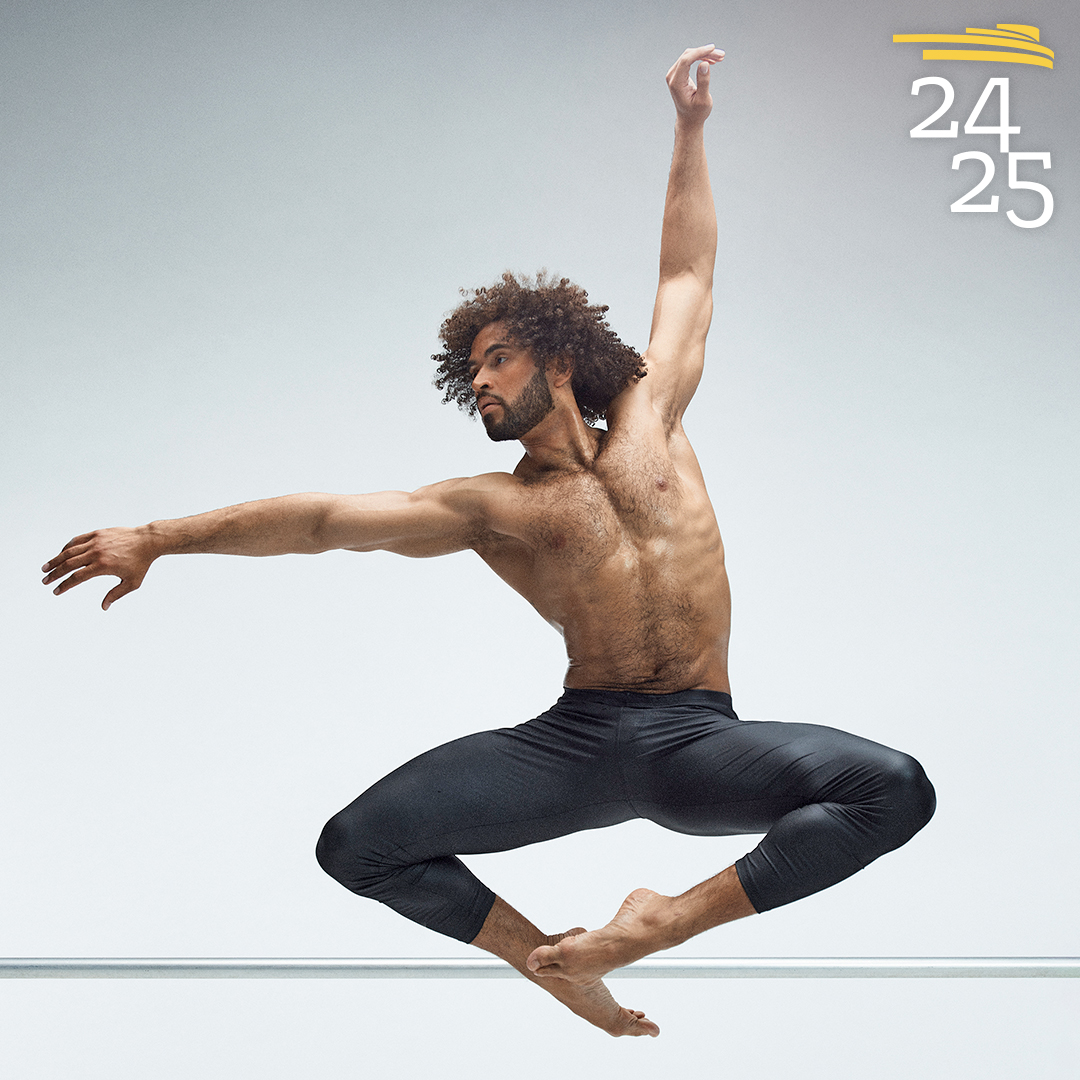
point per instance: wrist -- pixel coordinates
(689, 127)
(156, 536)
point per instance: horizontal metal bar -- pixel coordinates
(856, 967)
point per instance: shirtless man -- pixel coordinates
(610, 535)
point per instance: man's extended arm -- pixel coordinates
(683, 310)
(434, 520)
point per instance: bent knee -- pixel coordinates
(346, 853)
(910, 795)
(331, 849)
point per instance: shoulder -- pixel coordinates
(491, 502)
(464, 488)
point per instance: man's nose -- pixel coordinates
(480, 380)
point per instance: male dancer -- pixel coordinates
(611, 536)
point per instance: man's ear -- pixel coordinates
(562, 370)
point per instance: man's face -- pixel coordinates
(512, 391)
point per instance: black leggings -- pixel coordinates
(828, 802)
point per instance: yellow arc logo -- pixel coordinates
(1006, 39)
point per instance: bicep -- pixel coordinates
(426, 522)
(675, 357)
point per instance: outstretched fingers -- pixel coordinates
(76, 578)
(74, 547)
(63, 564)
(107, 552)
(92, 570)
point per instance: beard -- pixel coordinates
(524, 413)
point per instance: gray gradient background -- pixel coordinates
(229, 234)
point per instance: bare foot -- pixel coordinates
(509, 935)
(592, 1000)
(582, 959)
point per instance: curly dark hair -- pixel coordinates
(553, 318)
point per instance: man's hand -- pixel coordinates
(692, 102)
(123, 553)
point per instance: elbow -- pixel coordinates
(687, 293)
(689, 277)
(315, 534)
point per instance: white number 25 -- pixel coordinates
(963, 205)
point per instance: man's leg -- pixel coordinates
(829, 803)
(398, 842)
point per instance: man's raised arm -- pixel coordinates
(683, 311)
(434, 520)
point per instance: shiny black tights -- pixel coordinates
(828, 802)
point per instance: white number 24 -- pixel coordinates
(971, 127)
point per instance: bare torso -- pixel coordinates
(623, 555)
